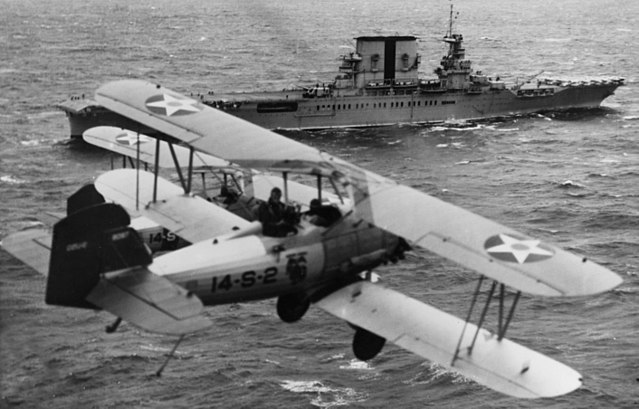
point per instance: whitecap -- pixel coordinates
(556, 40)
(570, 183)
(327, 397)
(356, 364)
(544, 117)
(332, 358)
(33, 142)
(434, 373)
(11, 180)
(163, 350)
(43, 115)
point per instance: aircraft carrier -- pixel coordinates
(378, 84)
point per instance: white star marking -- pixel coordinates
(173, 105)
(520, 249)
(129, 138)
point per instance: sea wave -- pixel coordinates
(322, 395)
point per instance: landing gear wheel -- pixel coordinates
(292, 307)
(367, 345)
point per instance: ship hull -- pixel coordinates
(363, 111)
(291, 110)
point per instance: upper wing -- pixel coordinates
(477, 243)
(204, 128)
(502, 365)
(131, 144)
(489, 248)
(190, 217)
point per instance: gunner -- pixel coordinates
(323, 215)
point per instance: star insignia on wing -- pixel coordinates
(130, 138)
(169, 105)
(508, 247)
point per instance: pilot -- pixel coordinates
(323, 215)
(228, 195)
(278, 219)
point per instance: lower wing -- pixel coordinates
(190, 217)
(501, 365)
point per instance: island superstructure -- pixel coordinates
(378, 84)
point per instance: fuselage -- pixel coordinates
(257, 267)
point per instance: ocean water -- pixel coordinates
(568, 178)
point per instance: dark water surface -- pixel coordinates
(569, 178)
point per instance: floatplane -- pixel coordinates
(96, 257)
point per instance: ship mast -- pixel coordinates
(450, 22)
(454, 69)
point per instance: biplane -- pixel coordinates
(98, 260)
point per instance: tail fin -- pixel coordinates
(89, 242)
(86, 196)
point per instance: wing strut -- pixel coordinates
(341, 199)
(177, 166)
(190, 175)
(285, 176)
(137, 173)
(156, 170)
(502, 325)
(467, 320)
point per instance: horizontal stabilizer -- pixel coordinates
(501, 365)
(190, 217)
(149, 302)
(32, 247)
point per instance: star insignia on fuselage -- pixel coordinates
(130, 138)
(169, 105)
(508, 247)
